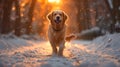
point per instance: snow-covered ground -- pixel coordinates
(103, 51)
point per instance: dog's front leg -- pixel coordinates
(54, 49)
(61, 48)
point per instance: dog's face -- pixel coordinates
(57, 18)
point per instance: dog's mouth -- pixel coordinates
(58, 20)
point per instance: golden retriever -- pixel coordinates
(57, 30)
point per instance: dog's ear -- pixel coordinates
(65, 16)
(49, 16)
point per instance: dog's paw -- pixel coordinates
(54, 54)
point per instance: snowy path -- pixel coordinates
(77, 54)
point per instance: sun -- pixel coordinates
(54, 1)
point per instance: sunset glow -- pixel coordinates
(54, 1)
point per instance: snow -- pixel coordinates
(89, 34)
(117, 25)
(103, 51)
(96, 29)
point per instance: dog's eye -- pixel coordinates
(60, 14)
(55, 14)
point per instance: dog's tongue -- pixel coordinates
(57, 21)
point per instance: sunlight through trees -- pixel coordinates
(54, 1)
(29, 16)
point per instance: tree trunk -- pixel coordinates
(80, 14)
(112, 25)
(18, 19)
(30, 16)
(78, 18)
(86, 15)
(1, 13)
(116, 11)
(6, 17)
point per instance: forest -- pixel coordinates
(28, 17)
(25, 36)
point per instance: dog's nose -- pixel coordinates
(57, 17)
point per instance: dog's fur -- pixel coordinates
(57, 30)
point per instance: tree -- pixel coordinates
(18, 19)
(112, 24)
(30, 17)
(83, 14)
(116, 10)
(5, 24)
(114, 13)
(1, 13)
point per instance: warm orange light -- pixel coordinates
(54, 1)
(39, 0)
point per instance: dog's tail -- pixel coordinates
(70, 37)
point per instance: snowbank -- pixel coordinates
(103, 51)
(107, 47)
(107, 44)
(89, 34)
(8, 42)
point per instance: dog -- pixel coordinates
(57, 31)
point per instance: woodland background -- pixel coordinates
(28, 17)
